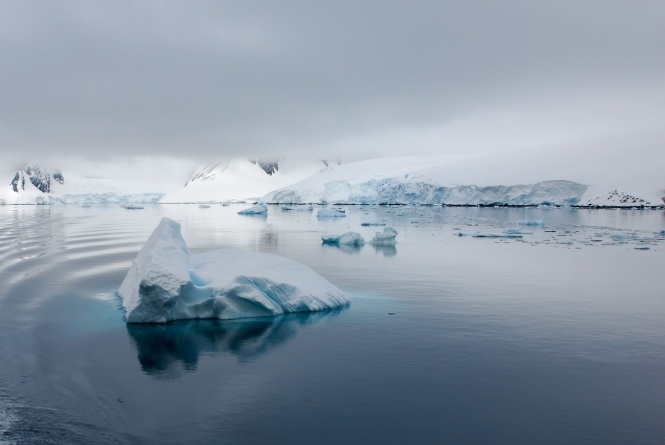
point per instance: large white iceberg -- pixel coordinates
(167, 282)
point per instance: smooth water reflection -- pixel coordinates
(181, 343)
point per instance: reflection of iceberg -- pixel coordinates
(163, 346)
(386, 250)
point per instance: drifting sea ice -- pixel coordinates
(166, 282)
(331, 213)
(346, 239)
(532, 222)
(385, 238)
(258, 209)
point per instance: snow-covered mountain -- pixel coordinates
(34, 175)
(617, 172)
(611, 173)
(242, 179)
(36, 185)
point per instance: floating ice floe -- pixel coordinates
(166, 282)
(204, 206)
(496, 235)
(297, 208)
(258, 209)
(532, 222)
(346, 239)
(385, 238)
(331, 213)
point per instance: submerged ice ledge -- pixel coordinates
(167, 282)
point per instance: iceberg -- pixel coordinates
(346, 239)
(167, 282)
(385, 238)
(258, 209)
(532, 222)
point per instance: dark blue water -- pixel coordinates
(555, 337)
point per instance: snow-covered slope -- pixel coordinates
(606, 173)
(36, 185)
(242, 179)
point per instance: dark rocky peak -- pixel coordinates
(39, 178)
(270, 167)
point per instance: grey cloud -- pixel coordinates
(264, 76)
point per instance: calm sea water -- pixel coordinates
(556, 337)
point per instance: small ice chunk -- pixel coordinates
(662, 232)
(167, 282)
(367, 224)
(346, 239)
(258, 209)
(385, 238)
(532, 222)
(331, 213)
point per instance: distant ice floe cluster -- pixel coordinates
(331, 213)
(566, 236)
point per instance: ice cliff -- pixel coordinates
(167, 282)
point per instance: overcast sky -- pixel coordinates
(348, 78)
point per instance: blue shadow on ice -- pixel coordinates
(160, 347)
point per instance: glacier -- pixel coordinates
(588, 173)
(398, 191)
(167, 282)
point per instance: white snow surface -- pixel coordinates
(167, 282)
(620, 172)
(240, 179)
